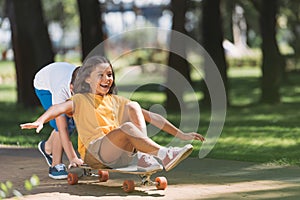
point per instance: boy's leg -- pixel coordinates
(49, 142)
(57, 149)
(57, 170)
(45, 147)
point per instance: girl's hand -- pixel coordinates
(32, 125)
(191, 136)
(75, 162)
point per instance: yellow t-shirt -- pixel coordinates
(96, 116)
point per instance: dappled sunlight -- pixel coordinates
(291, 99)
(244, 72)
(264, 148)
(252, 189)
(8, 92)
(259, 117)
(223, 179)
(273, 142)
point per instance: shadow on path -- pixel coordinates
(192, 179)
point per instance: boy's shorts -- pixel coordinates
(45, 98)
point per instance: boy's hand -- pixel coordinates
(32, 125)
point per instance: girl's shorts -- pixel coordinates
(93, 157)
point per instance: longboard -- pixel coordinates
(128, 185)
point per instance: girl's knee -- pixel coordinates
(133, 106)
(129, 128)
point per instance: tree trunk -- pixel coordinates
(272, 62)
(176, 62)
(31, 44)
(91, 26)
(212, 43)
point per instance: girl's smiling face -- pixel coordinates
(101, 79)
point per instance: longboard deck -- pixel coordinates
(131, 169)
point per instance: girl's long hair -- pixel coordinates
(80, 86)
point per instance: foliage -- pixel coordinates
(1, 10)
(7, 82)
(7, 188)
(61, 12)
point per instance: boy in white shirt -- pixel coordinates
(53, 85)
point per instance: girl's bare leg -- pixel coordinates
(133, 134)
(133, 113)
(125, 138)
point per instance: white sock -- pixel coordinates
(162, 152)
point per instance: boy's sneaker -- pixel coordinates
(175, 155)
(58, 172)
(48, 157)
(147, 162)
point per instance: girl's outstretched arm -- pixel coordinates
(51, 113)
(163, 124)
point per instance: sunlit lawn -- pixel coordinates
(252, 131)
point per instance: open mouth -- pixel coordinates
(104, 86)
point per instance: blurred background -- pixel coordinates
(235, 33)
(254, 44)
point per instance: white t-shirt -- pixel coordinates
(56, 78)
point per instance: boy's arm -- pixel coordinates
(163, 124)
(51, 113)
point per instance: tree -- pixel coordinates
(212, 42)
(176, 62)
(91, 25)
(272, 62)
(65, 15)
(252, 22)
(31, 44)
(290, 9)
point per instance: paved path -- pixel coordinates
(192, 179)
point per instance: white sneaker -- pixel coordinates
(175, 155)
(147, 162)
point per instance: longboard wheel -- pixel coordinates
(72, 179)
(161, 183)
(128, 186)
(103, 175)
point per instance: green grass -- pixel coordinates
(11, 116)
(252, 132)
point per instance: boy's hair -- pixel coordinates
(80, 86)
(74, 75)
